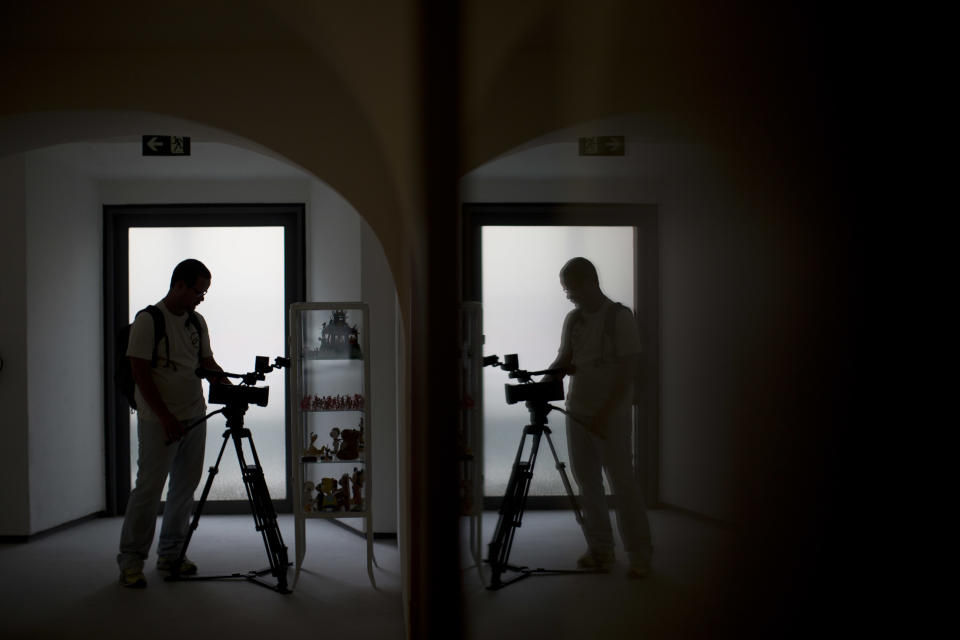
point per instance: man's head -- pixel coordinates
(579, 280)
(188, 286)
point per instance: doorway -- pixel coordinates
(512, 257)
(256, 256)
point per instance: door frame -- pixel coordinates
(117, 220)
(644, 218)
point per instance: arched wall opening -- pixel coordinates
(736, 269)
(57, 170)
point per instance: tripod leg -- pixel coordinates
(199, 508)
(514, 500)
(264, 515)
(502, 528)
(562, 468)
(506, 513)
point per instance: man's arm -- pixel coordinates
(564, 359)
(211, 364)
(562, 362)
(148, 389)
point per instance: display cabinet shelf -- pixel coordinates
(330, 406)
(330, 410)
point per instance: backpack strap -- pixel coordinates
(195, 321)
(159, 330)
(610, 326)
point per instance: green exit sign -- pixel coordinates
(603, 146)
(166, 145)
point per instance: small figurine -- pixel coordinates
(343, 495)
(326, 455)
(335, 434)
(308, 499)
(355, 352)
(327, 498)
(349, 447)
(332, 403)
(357, 501)
(312, 449)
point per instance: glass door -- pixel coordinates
(256, 255)
(244, 310)
(523, 311)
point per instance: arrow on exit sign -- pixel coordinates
(603, 146)
(166, 146)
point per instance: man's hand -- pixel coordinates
(210, 364)
(172, 427)
(561, 372)
(148, 389)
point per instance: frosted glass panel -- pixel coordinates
(244, 310)
(523, 311)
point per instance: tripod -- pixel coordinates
(515, 498)
(264, 515)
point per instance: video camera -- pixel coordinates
(527, 390)
(246, 392)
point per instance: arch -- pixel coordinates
(287, 105)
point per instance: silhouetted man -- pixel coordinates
(599, 349)
(169, 398)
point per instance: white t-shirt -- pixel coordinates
(595, 371)
(176, 379)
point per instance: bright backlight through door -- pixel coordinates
(245, 314)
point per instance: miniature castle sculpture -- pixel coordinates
(338, 339)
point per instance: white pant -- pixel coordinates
(590, 456)
(183, 461)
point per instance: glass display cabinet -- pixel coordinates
(330, 445)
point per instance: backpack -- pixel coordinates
(609, 328)
(123, 372)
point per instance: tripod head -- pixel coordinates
(237, 398)
(536, 395)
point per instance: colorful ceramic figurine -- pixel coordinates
(343, 495)
(308, 499)
(335, 434)
(328, 494)
(356, 504)
(350, 446)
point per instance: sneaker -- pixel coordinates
(602, 561)
(133, 578)
(187, 568)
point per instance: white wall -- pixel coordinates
(334, 263)
(52, 222)
(14, 468)
(707, 248)
(380, 292)
(64, 342)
